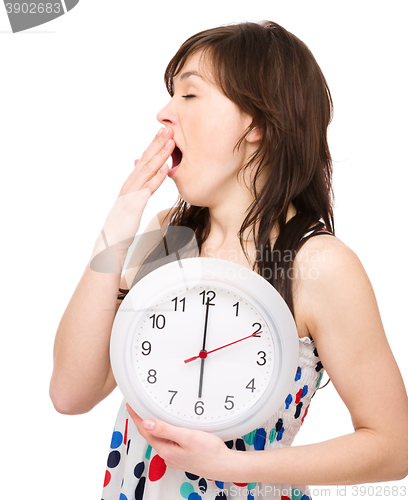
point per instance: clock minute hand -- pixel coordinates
(203, 354)
(200, 383)
(206, 323)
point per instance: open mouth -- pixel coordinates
(176, 156)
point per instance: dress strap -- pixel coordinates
(319, 229)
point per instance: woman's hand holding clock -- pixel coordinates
(178, 447)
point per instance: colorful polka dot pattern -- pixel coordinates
(136, 472)
(114, 456)
(196, 487)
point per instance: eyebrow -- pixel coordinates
(187, 74)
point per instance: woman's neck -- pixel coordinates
(226, 223)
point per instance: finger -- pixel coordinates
(144, 169)
(158, 179)
(161, 445)
(166, 432)
(157, 145)
(144, 172)
(150, 168)
(135, 417)
(157, 428)
(145, 426)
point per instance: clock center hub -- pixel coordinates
(203, 354)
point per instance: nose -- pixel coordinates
(167, 115)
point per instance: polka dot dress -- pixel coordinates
(136, 472)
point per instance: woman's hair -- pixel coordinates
(272, 76)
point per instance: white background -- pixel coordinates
(78, 100)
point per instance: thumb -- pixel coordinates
(155, 431)
(163, 430)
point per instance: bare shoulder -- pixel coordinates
(161, 220)
(329, 276)
(165, 216)
(324, 253)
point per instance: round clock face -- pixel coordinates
(209, 345)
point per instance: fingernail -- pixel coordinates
(159, 133)
(164, 167)
(166, 131)
(168, 144)
(148, 424)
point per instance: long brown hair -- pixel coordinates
(272, 76)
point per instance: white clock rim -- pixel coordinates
(192, 272)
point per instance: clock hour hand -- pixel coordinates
(203, 354)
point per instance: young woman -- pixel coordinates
(246, 128)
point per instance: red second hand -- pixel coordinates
(203, 354)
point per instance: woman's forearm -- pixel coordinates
(82, 374)
(360, 457)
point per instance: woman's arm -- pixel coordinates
(340, 311)
(82, 374)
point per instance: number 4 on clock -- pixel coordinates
(251, 385)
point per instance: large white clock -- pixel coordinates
(206, 344)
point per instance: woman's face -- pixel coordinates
(207, 125)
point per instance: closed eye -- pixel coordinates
(188, 96)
